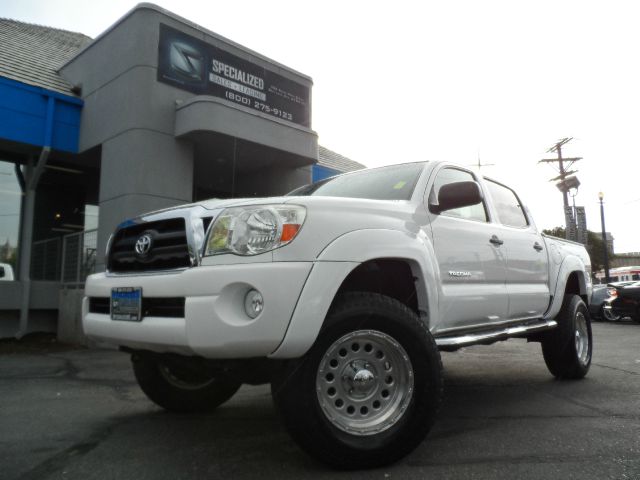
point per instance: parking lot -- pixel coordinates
(79, 414)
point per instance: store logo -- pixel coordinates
(143, 244)
(186, 61)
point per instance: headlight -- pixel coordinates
(255, 229)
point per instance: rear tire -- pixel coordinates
(568, 349)
(180, 391)
(367, 392)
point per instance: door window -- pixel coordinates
(508, 206)
(445, 176)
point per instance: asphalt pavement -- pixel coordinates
(80, 415)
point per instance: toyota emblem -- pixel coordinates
(143, 244)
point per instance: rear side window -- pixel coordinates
(452, 175)
(508, 206)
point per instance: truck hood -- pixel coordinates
(378, 206)
(216, 204)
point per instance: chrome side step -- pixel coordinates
(453, 342)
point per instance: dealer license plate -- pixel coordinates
(126, 304)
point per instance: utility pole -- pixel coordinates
(604, 239)
(566, 181)
(564, 171)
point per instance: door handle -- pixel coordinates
(537, 246)
(495, 240)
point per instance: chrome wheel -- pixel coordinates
(364, 382)
(608, 315)
(582, 339)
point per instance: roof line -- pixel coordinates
(158, 9)
(45, 26)
(41, 90)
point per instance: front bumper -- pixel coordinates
(215, 324)
(623, 307)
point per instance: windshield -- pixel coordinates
(395, 182)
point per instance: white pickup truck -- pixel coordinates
(341, 295)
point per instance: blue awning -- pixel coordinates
(40, 117)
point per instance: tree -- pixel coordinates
(595, 248)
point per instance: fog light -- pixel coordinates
(253, 303)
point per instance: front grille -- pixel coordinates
(99, 305)
(206, 221)
(151, 306)
(169, 249)
(163, 307)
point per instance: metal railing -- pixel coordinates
(45, 260)
(78, 257)
(67, 259)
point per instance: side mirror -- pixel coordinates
(457, 195)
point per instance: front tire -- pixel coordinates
(608, 315)
(567, 349)
(367, 392)
(180, 390)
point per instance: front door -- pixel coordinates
(471, 261)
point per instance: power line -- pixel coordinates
(562, 169)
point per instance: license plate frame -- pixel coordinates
(126, 304)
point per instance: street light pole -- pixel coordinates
(604, 240)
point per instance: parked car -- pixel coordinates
(599, 297)
(340, 295)
(6, 272)
(624, 302)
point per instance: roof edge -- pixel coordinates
(46, 26)
(41, 90)
(167, 13)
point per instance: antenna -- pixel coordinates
(480, 164)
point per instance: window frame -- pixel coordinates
(495, 206)
(487, 210)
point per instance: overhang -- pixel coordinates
(205, 113)
(40, 117)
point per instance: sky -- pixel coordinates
(499, 81)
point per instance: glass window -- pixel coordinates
(508, 206)
(10, 203)
(395, 182)
(445, 176)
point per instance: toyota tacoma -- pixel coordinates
(341, 295)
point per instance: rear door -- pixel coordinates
(470, 259)
(527, 260)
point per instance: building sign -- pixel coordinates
(581, 220)
(191, 64)
(570, 222)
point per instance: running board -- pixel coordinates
(454, 342)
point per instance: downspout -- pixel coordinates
(33, 175)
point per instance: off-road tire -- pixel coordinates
(179, 392)
(568, 348)
(298, 391)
